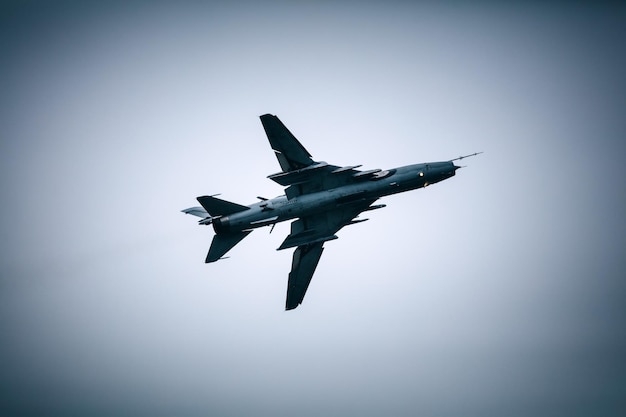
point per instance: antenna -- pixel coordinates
(466, 156)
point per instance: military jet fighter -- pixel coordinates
(322, 198)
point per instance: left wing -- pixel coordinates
(300, 173)
(309, 234)
(305, 260)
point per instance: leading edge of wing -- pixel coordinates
(289, 151)
(305, 260)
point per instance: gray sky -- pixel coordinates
(498, 292)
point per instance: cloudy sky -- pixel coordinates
(498, 292)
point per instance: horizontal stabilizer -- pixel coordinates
(218, 207)
(222, 243)
(196, 211)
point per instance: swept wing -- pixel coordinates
(300, 173)
(305, 259)
(309, 234)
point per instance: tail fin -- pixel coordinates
(222, 243)
(217, 207)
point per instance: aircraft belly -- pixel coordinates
(302, 206)
(315, 203)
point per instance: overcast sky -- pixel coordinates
(499, 292)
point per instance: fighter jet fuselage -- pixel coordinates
(380, 184)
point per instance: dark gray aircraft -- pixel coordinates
(322, 197)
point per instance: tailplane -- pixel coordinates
(196, 211)
(222, 243)
(212, 209)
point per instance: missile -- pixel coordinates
(377, 206)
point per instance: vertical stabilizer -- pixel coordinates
(218, 207)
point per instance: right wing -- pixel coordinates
(196, 211)
(300, 173)
(290, 153)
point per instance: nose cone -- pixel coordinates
(456, 167)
